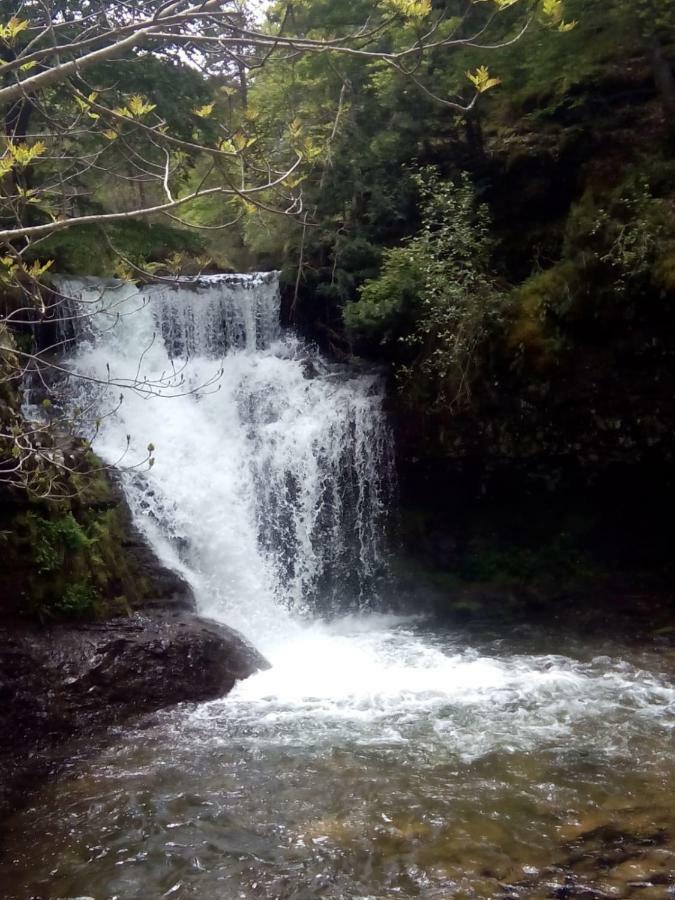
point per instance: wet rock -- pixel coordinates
(145, 663)
(66, 681)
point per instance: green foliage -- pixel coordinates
(54, 539)
(461, 305)
(616, 259)
(625, 234)
(70, 558)
(441, 280)
(385, 303)
(79, 600)
(88, 250)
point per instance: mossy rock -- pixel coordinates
(71, 558)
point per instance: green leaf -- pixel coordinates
(481, 79)
(204, 111)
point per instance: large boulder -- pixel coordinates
(60, 682)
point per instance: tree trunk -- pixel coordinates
(474, 135)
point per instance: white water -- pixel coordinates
(272, 468)
(269, 493)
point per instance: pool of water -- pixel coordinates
(378, 758)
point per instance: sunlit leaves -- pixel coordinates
(554, 11)
(136, 108)
(504, 4)
(12, 29)
(242, 142)
(85, 104)
(410, 9)
(304, 143)
(248, 207)
(226, 146)
(482, 80)
(36, 269)
(11, 269)
(203, 112)
(20, 155)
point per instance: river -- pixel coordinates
(383, 754)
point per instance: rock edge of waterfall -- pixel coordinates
(66, 681)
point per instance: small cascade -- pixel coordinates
(214, 314)
(273, 466)
(206, 315)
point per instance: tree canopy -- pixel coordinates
(174, 134)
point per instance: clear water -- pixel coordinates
(379, 756)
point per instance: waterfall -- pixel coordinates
(380, 755)
(273, 466)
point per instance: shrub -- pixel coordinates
(78, 600)
(385, 301)
(441, 280)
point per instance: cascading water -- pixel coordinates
(378, 757)
(273, 468)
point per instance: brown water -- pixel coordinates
(379, 758)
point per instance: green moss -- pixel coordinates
(54, 539)
(70, 558)
(617, 253)
(535, 308)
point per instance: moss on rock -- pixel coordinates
(71, 558)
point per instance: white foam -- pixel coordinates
(269, 486)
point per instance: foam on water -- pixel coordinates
(378, 680)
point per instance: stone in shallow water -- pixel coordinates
(67, 680)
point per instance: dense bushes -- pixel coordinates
(437, 293)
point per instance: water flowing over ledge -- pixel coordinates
(273, 466)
